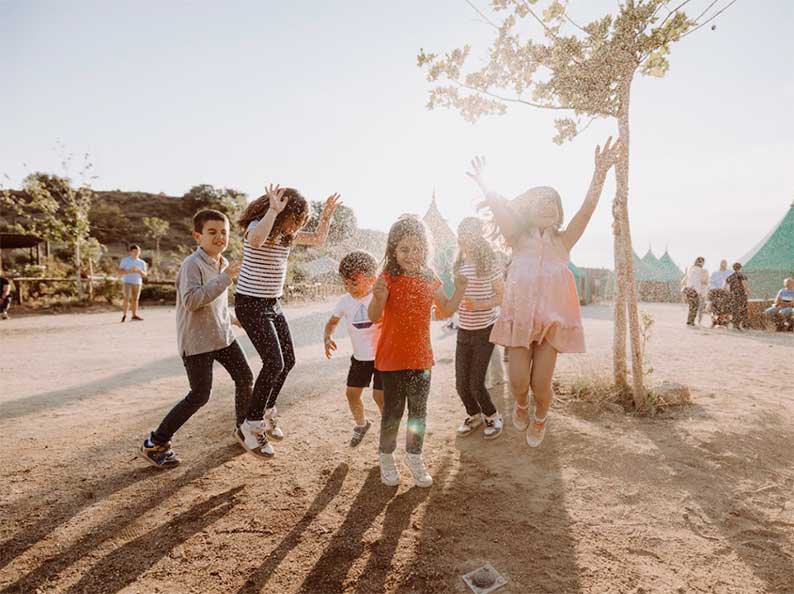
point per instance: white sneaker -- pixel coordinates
(469, 425)
(252, 436)
(271, 425)
(493, 426)
(537, 431)
(416, 465)
(389, 475)
(520, 423)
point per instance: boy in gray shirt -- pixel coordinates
(204, 335)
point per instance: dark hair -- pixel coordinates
(737, 267)
(358, 262)
(406, 226)
(700, 260)
(134, 246)
(203, 216)
(471, 231)
(297, 208)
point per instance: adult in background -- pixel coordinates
(5, 297)
(739, 290)
(782, 311)
(694, 286)
(133, 271)
(718, 298)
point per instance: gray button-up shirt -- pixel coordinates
(203, 321)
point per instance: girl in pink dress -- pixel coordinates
(540, 314)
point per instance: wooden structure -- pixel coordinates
(18, 241)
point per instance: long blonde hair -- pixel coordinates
(471, 233)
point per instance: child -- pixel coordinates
(478, 311)
(271, 225)
(204, 334)
(133, 270)
(540, 314)
(403, 296)
(739, 290)
(358, 271)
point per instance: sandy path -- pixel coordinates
(700, 502)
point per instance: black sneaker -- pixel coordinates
(123, 319)
(359, 432)
(161, 456)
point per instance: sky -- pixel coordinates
(327, 97)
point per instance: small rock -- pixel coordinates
(483, 578)
(672, 393)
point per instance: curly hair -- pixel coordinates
(471, 233)
(358, 262)
(407, 226)
(297, 209)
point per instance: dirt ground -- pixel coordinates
(697, 501)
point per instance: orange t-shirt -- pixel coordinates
(405, 334)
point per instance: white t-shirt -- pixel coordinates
(363, 333)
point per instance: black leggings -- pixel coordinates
(411, 386)
(268, 330)
(472, 356)
(199, 375)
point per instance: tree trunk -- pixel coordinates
(619, 333)
(77, 265)
(628, 284)
(157, 251)
(90, 280)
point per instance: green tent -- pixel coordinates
(772, 259)
(670, 270)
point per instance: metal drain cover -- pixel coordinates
(484, 580)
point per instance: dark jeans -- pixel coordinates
(472, 356)
(199, 375)
(268, 330)
(693, 299)
(411, 386)
(5, 304)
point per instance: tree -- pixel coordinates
(51, 208)
(227, 200)
(157, 229)
(584, 72)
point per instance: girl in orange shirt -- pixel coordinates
(403, 297)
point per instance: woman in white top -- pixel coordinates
(478, 311)
(271, 224)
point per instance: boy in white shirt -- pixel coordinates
(359, 271)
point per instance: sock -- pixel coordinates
(364, 424)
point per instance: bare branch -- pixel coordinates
(672, 12)
(700, 16)
(483, 16)
(711, 18)
(510, 99)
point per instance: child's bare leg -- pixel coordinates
(356, 405)
(125, 304)
(377, 396)
(544, 359)
(519, 366)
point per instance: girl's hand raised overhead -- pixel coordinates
(476, 173)
(608, 156)
(331, 204)
(275, 194)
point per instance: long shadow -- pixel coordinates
(125, 564)
(486, 513)
(396, 521)
(717, 495)
(62, 510)
(330, 570)
(70, 555)
(258, 580)
(306, 330)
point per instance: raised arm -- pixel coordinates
(604, 160)
(446, 306)
(499, 206)
(380, 294)
(320, 235)
(261, 231)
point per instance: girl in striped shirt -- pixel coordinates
(271, 224)
(479, 309)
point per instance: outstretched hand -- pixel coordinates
(476, 173)
(275, 194)
(333, 202)
(608, 156)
